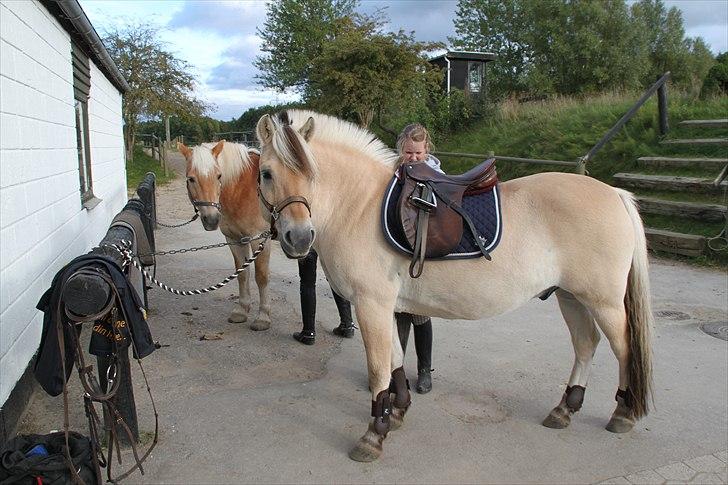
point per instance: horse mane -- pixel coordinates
(293, 151)
(233, 160)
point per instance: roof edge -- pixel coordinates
(70, 12)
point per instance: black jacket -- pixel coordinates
(48, 366)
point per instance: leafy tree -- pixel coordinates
(663, 35)
(160, 83)
(294, 34)
(581, 46)
(716, 82)
(364, 72)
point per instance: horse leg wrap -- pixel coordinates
(399, 386)
(574, 397)
(381, 409)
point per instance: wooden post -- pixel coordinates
(662, 108)
(88, 295)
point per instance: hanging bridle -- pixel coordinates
(275, 210)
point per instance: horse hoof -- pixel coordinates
(557, 419)
(620, 424)
(365, 451)
(237, 318)
(259, 325)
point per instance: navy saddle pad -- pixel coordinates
(483, 209)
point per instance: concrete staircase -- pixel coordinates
(661, 189)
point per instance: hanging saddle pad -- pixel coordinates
(483, 209)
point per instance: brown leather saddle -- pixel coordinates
(430, 209)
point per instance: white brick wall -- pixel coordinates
(42, 222)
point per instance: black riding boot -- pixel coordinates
(423, 347)
(346, 325)
(404, 322)
(307, 273)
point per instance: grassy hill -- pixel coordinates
(567, 128)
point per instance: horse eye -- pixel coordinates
(191, 180)
(266, 175)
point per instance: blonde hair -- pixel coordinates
(417, 133)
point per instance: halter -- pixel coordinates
(275, 210)
(202, 203)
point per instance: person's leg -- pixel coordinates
(346, 325)
(423, 347)
(307, 273)
(404, 321)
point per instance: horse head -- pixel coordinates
(204, 182)
(287, 170)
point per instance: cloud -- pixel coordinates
(224, 18)
(430, 21)
(236, 71)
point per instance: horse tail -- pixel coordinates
(639, 314)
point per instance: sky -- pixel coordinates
(219, 39)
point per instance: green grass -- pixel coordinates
(143, 163)
(567, 128)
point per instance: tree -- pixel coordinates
(160, 83)
(581, 46)
(294, 34)
(364, 72)
(667, 48)
(716, 81)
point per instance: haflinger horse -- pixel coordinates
(222, 185)
(564, 232)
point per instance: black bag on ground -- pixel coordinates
(20, 465)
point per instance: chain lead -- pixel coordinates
(130, 258)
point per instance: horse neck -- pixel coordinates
(349, 189)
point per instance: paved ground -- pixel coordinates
(259, 407)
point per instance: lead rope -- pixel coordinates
(129, 258)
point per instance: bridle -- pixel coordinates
(276, 209)
(196, 204)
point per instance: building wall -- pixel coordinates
(42, 222)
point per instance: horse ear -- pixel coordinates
(265, 129)
(218, 148)
(306, 130)
(184, 150)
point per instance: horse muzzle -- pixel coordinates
(296, 239)
(210, 218)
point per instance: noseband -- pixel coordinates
(202, 203)
(275, 210)
(205, 203)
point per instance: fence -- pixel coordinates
(158, 148)
(245, 137)
(580, 164)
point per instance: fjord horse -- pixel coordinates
(222, 185)
(566, 232)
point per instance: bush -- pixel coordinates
(716, 82)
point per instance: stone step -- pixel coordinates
(705, 123)
(716, 163)
(675, 242)
(690, 210)
(668, 182)
(696, 141)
